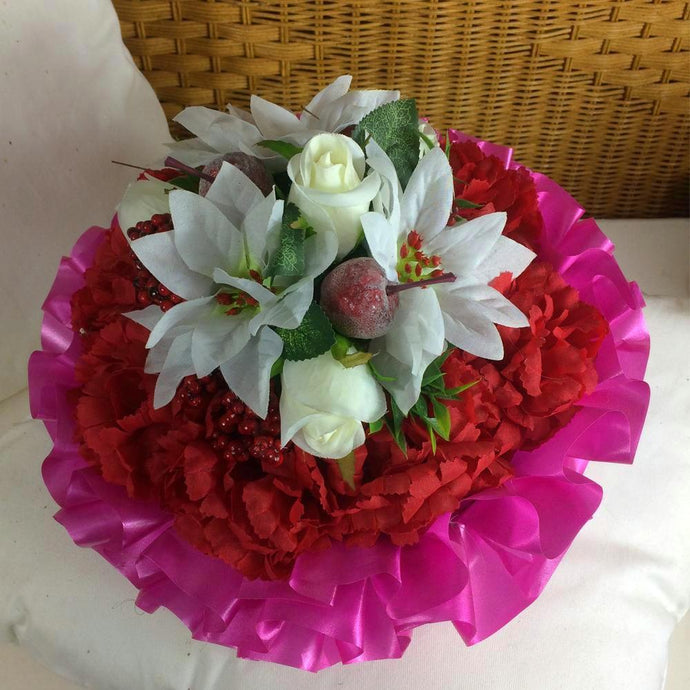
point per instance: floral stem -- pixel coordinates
(178, 165)
(129, 165)
(399, 287)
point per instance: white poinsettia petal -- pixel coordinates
(312, 112)
(505, 256)
(216, 339)
(483, 299)
(251, 287)
(158, 354)
(286, 312)
(415, 339)
(319, 253)
(469, 328)
(160, 256)
(234, 193)
(387, 200)
(350, 108)
(221, 131)
(142, 200)
(147, 317)
(178, 364)
(273, 121)
(248, 374)
(261, 229)
(382, 239)
(416, 329)
(403, 386)
(204, 237)
(428, 198)
(464, 247)
(326, 385)
(193, 152)
(240, 113)
(183, 314)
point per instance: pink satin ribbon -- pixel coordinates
(478, 567)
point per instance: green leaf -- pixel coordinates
(451, 393)
(347, 469)
(302, 224)
(311, 338)
(395, 426)
(277, 367)
(427, 141)
(441, 419)
(288, 260)
(340, 347)
(432, 436)
(375, 427)
(188, 182)
(377, 375)
(283, 183)
(282, 148)
(463, 203)
(355, 359)
(395, 128)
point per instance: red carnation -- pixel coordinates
(550, 365)
(484, 180)
(109, 285)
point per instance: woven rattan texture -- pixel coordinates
(594, 94)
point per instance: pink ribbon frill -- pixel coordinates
(477, 567)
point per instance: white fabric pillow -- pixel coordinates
(72, 101)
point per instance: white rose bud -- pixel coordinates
(330, 188)
(323, 405)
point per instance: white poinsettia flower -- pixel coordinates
(408, 236)
(323, 405)
(331, 110)
(215, 259)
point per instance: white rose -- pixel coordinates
(323, 405)
(329, 186)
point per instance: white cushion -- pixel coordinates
(72, 101)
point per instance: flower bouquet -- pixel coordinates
(331, 376)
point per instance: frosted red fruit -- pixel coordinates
(354, 297)
(251, 166)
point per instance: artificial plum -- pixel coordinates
(251, 166)
(354, 297)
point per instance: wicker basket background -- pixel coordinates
(594, 94)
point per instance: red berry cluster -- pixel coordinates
(194, 394)
(237, 434)
(149, 290)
